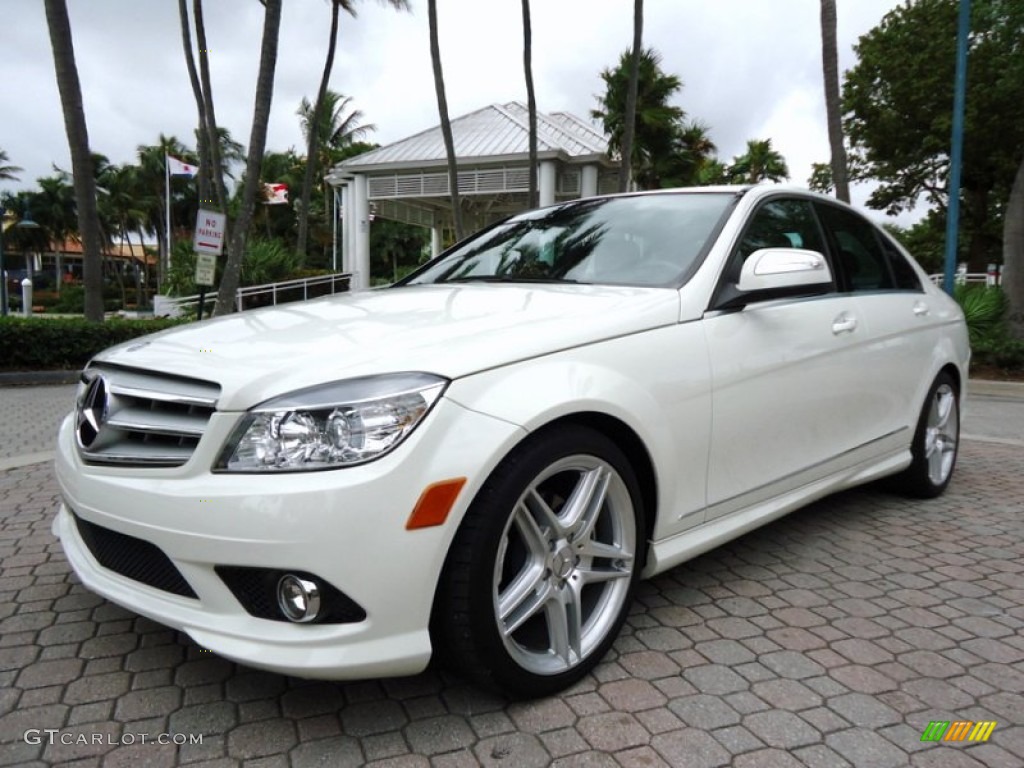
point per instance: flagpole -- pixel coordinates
(167, 203)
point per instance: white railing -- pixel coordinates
(260, 295)
(968, 278)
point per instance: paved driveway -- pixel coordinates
(832, 637)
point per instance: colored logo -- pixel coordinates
(958, 730)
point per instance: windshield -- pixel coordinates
(644, 240)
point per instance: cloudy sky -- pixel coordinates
(750, 68)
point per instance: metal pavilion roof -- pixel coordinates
(495, 131)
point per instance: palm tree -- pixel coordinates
(54, 208)
(81, 161)
(339, 124)
(313, 138)
(228, 151)
(694, 151)
(629, 129)
(211, 129)
(313, 125)
(7, 172)
(531, 104)
(205, 161)
(759, 163)
(339, 127)
(120, 212)
(657, 123)
(446, 125)
(830, 69)
(151, 189)
(257, 144)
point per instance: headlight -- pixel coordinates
(331, 425)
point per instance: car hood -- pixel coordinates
(451, 330)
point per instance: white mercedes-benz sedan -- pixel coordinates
(480, 462)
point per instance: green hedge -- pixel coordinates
(37, 343)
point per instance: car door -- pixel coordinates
(787, 375)
(897, 324)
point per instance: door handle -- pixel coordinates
(920, 309)
(844, 324)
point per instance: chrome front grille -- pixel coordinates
(131, 417)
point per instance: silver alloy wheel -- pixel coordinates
(565, 558)
(941, 434)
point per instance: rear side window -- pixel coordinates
(903, 273)
(858, 250)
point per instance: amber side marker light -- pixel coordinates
(435, 503)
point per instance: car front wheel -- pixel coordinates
(541, 573)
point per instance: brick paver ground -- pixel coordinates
(829, 638)
(30, 416)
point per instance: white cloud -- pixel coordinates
(751, 68)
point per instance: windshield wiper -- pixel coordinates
(508, 279)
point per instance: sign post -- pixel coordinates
(208, 244)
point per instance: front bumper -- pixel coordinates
(346, 526)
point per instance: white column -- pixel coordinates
(362, 233)
(546, 182)
(350, 221)
(334, 228)
(588, 181)
(346, 228)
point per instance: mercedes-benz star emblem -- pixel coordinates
(92, 412)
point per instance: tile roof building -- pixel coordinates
(408, 180)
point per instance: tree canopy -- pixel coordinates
(898, 103)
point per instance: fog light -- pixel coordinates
(298, 598)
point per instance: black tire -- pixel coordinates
(936, 442)
(537, 583)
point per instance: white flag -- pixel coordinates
(275, 194)
(176, 167)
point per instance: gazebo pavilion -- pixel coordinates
(408, 181)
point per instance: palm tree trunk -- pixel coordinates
(205, 159)
(1013, 254)
(257, 144)
(313, 140)
(629, 128)
(531, 102)
(81, 161)
(212, 134)
(830, 68)
(446, 126)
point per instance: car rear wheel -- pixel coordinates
(541, 573)
(936, 442)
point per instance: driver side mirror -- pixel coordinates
(777, 273)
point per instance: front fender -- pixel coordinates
(657, 383)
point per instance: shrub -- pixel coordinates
(268, 261)
(984, 309)
(1003, 352)
(38, 343)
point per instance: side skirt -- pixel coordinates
(670, 552)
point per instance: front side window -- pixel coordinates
(644, 240)
(779, 223)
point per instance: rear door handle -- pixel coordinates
(920, 309)
(844, 324)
